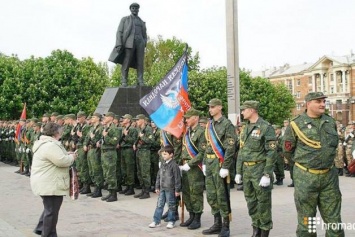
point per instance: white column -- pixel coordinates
(343, 80)
(313, 82)
(321, 82)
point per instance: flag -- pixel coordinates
(168, 101)
(18, 127)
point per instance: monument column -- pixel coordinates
(233, 88)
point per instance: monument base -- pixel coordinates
(123, 100)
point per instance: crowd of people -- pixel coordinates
(126, 153)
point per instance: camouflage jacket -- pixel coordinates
(226, 134)
(321, 130)
(198, 140)
(257, 143)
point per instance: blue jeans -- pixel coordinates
(168, 197)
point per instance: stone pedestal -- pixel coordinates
(123, 100)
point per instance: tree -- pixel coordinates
(59, 82)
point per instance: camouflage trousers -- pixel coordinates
(317, 190)
(216, 190)
(348, 154)
(339, 158)
(119, 169)
(192, 189)
(82, 166)
(279, 167)
(95, 167)
(127, 165)
(258, 198)
(143, 167)
(109, 166)
(154, 166)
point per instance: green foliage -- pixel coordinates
(58, 83)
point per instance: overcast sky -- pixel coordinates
(271, 32)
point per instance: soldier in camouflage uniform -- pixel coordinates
(10, 143)
(348, 142)
(218, 158)
(109, 156)
(142, 145)
(129, 137)
(66, 130)
(279, 161)
(154, 155)
(194, 145)
(81, 161)
(91, 145)
(256, 158)
(311, 141)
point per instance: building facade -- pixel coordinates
(334, 76)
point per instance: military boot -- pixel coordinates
(97, 193)
(86, 189)
(279, 181)
(188, 221)
(139, 194)
(113, 196)
(256, 232)
(216, 227)
(225, 232)
(106, 197)
(26, 171)
(264, 233)
(145, 194)
(124, 190)
(130, 191)
(340, 172)
(196, 223)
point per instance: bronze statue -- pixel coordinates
(131, 39)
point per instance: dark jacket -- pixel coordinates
(169, 177)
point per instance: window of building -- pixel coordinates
(298, 106)
(331, 89)
(298, 94)
(298, 82)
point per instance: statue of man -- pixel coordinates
(131, 39)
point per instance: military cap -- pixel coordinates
(192, 112)
(134, 5)
(54, 114)
(97, 115)
(250, 104)
(314, 96)
(37, 124)
(276, 126)
(139, 116)
(60, 117)
(46, 115)
(70, 116)
(35, 120)
(28, 120)
(117, 117)
(215, 102)
(202, 120)
(81, 114)
(127, 116)
(110, 114)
